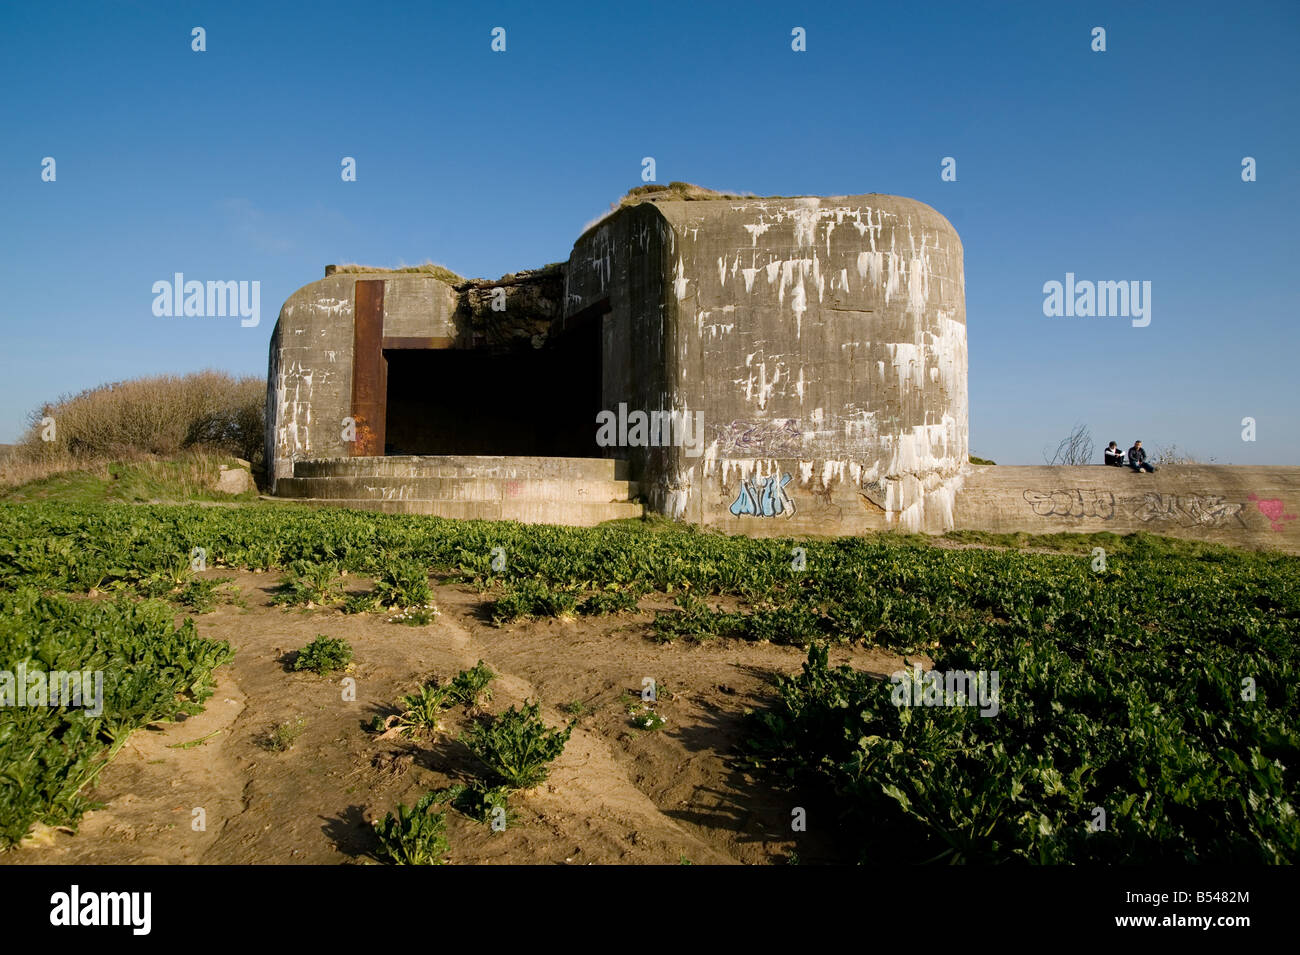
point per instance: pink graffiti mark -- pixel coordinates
(1273, 509)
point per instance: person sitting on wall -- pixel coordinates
(1137, 458)
(1114, 456)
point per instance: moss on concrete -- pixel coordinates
(440, 272)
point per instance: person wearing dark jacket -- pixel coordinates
(1114, 456)
(1137, 458)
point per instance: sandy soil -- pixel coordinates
(617, 795)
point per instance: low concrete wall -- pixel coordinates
(1244, 506)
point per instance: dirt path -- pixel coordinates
(617, 794)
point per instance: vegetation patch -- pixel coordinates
(324, 655)
(517, 746)
(1125, 747)
(1121, 685)
(137, 667)
(310, 584)
(417, 835)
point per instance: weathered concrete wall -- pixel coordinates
(417, 306)
(617, 275)
(309, 380)
(822, 339)
(1243, 506)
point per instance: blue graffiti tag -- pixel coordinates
(769, 502)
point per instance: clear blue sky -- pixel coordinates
(1117, 165)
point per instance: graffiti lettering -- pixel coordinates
(1189, 510)
(759, 439)
(1075, 502)
(764, 498)
(404, 492)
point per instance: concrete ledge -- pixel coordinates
(468, 488)
(564, 513)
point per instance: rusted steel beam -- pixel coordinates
(369, 369)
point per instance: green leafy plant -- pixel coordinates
(612, 601)
(529, 599)
(421, 710)
(309, 584)
(471, 686)
(324, 655)
(403, 583)
(282, 736)
(149, 670)
(517, 746)
(1160, 740)
(360, 603)
(415, 836)
(645, 717)
(201, 594)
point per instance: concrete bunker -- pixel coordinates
(820, 341)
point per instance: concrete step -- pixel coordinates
(458, 488)
(509, 467)
(566, 513)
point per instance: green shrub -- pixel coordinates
(151, 671)
(421, 710)
(309, 584)
(403, 583)
(470, 687)
(282, 736)
(516, 745)
(618, 600)
(324, 655)
(415, 836)
(529, 599)
(1162, 742)
(201, 595)
(695, 622)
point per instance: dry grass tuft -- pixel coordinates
(677, 191)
